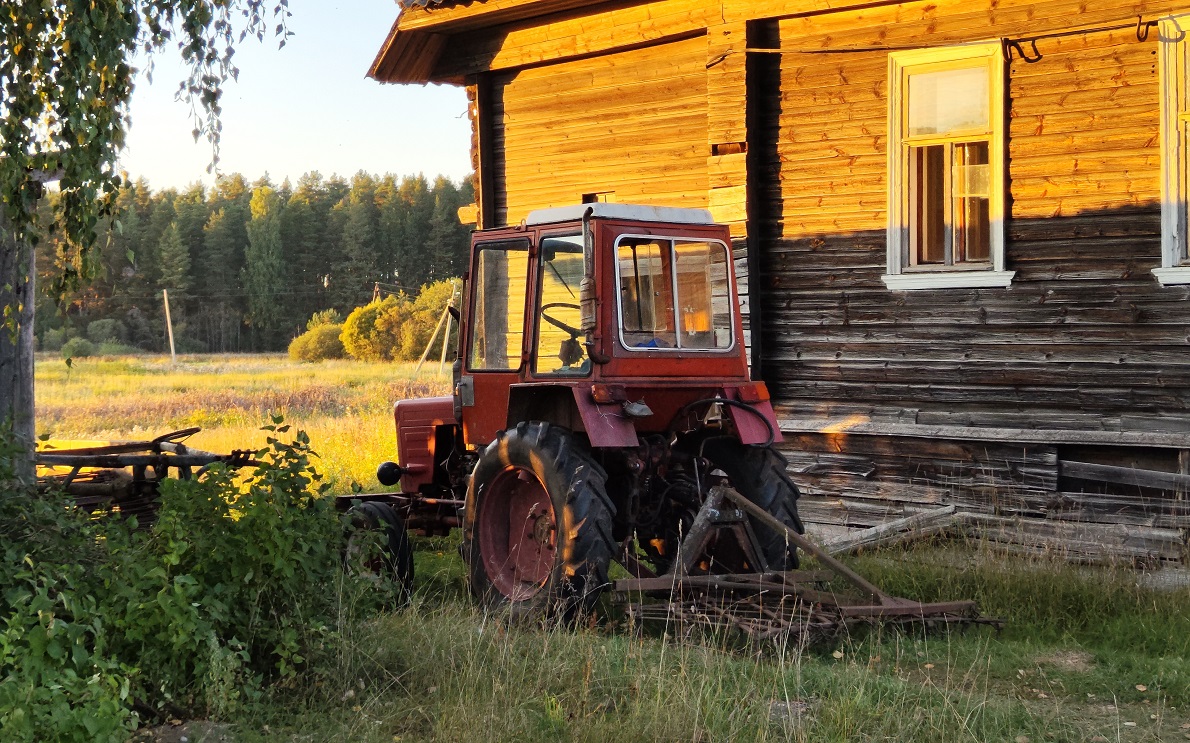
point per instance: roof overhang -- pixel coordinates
(421, 30)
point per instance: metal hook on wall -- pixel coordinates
(1011, 45)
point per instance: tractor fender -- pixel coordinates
(572, 407)
(750, 423)
(750, 426)
(606, 425)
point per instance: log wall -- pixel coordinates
(1084, 340)
(633, 124)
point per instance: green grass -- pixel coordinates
(1085, 650)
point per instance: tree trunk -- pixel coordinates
(16, 344)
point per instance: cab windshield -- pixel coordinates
(559, 347)
(674, 294)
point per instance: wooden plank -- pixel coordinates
(1171, 481)
(897, 530)
(855, 427)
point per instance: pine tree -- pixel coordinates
(264, 267)
(353, 282)
(173, 255)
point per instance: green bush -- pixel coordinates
(325, 317)
(54, 339)
(364, 337)
(422, 319)
(397, 328)
(107, 331)
(236, 587)
(318, 343)
(78, 348)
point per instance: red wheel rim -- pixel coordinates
(518, 533)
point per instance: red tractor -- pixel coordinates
(601, 392)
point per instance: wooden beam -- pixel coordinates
(609, 28)
(1124, 475)
(865, 425)
(457, 18)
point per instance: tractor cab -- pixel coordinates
(598, 305)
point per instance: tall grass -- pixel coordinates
(442, 670)
(1085, 650)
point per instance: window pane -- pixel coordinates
(971, 191)
(646, 293)
(498, 310)
(927, 179)
(560, 349)
(704, 295)
(941, 102)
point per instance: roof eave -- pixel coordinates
(407, 56)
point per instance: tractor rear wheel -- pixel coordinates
(537, 533)
(758, 473)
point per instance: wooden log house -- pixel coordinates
(961, 227)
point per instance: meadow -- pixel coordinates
(1087, 653)
(345, 406)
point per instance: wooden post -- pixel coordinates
(169, 326)
(446, 334)
(17, 276)
(425, 354)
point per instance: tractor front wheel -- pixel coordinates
(537, 533)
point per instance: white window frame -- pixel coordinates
(1175, 128)
(899, 275)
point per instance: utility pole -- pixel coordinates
(169, 326)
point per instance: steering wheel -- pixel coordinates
(574, 332)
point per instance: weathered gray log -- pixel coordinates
(1125, 475)
(894, 531)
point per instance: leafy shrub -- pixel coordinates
(78, 348)
(318, 343)
(422, 319)
(326, 317)
(397, 328)
(363, 338)
(107, 331)
(54, 339)
(238, 585)
(57, 679)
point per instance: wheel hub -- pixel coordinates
(517, 528)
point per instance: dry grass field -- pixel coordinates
(345, 406)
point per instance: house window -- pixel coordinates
(1175, 137)
(946, 168)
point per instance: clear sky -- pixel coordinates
(305, 107)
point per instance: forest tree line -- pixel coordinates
(247, 265)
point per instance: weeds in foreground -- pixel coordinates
(221, 600)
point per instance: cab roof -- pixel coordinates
(633, 212)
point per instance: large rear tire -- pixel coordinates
(758, 473)
(537, 532)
